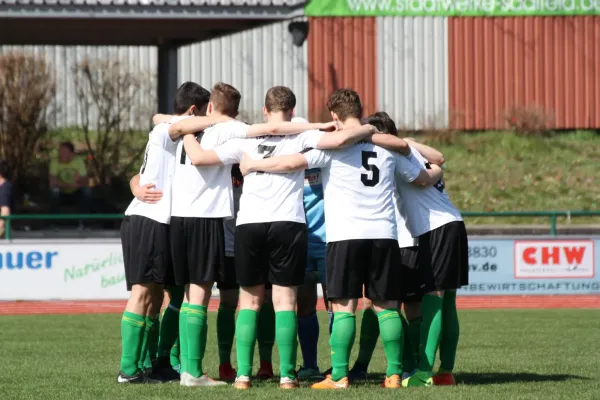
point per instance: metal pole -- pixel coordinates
(553, 225)
(7, 227)
(167, 76)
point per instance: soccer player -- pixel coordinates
(270, 244)
(145, 237)
(228, 288)
(442, 266)
(168, 344)
(162, 357)
(204, 198)
(362, 246)
(229, 296)
(410, 292)
(308, 323)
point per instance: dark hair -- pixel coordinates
(189, 94)
(68, 145)
(5, 171)
(225, 99)
(345, 103)
(280, 98)
(382, 121)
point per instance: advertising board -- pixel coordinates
(93, 270)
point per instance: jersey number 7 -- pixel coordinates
(374, 179)
(266, 151)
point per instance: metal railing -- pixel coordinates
(52, 217)
(552, 215)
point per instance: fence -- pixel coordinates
(551, 215)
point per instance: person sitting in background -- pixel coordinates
(69, 181)
(7, 199)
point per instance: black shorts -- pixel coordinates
(198, 249)
(227, 280)
(270, 252)
(146, 252)
(443, 257)
(410, 283)
(369, 262)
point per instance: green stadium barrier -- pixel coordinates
(552, 215)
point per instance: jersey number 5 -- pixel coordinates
(374, 179)
(267, 152)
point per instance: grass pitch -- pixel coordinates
(496, 171)
(533, 354)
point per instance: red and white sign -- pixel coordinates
(549, 259)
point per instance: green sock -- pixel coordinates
(144, 358)
(174, 355)
(286, 328)
(132, 336)
(152, 328)
(196, 333)
(225, 331)
(407, 359)
(341, 341)
(169, 323)
(369, 333)
(183, 339)
(450, 332)
(266, 332)
(245, 336)
(431, 329)
(390, 327)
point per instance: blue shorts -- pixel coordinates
(315, 260)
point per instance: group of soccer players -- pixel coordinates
(268, 211)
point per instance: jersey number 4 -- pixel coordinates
(440, 185)
(374, 179)
(266, 151)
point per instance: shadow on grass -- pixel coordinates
(506, 377)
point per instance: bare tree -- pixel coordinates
(116, 105)
(26, 92)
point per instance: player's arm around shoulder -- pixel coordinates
(429, 177)
(162, 119)
(409, 170)
(309, 158)
(434, 156)
(287, 128)
(279, 164)
(344, 138)
(191, 125)
(197, 155)
(390, 142)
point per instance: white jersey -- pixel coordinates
(205, 192)
(157, 168)
(270, 197)
(405, 239)
(425, 209)
(359, 190)
(229, 224)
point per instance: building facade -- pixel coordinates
(427, 72)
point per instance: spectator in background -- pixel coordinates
(69, 181)
(7, 198)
